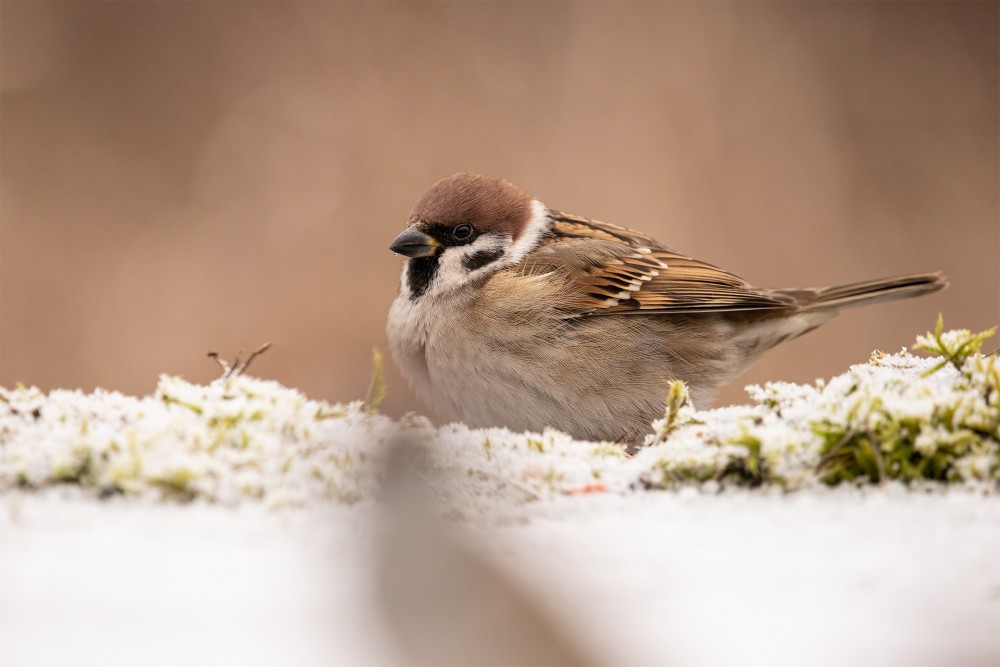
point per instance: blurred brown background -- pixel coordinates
(185, 177)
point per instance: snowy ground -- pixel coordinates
(242, 523)
(880, 577)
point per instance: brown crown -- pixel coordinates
(488, 203)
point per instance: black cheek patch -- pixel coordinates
(420, 271)
(478, 260)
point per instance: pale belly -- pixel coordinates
(598, 379)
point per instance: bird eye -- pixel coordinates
(461, 232)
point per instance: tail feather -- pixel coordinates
(867, 292)
(814, 307)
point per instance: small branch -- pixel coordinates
(230, 370)
(214, 356)
(830, 453)
(253, 355)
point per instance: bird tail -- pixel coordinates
(867, 292)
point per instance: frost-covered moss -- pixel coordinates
(919, 421)
(231, 440)
(899, 417)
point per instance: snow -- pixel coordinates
(876, 577)
(852, 521)
(243, 439)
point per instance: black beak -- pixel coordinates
(414, 244)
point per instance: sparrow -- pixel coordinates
(514, 314)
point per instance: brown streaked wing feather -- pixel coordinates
(567, 225)
(689, 285)
(619, 271)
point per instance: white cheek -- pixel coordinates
(537, 226)
(452, 271)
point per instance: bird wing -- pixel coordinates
(620, 271)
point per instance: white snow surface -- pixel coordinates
(880, 576)
(240, 523)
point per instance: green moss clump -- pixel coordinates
(896, 418)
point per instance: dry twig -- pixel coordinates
(229, 370)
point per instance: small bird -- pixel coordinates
(513, 314)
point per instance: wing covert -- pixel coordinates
(616, 270)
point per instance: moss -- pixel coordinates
(536, 444)
(376, 391)
(175, 483)
(677, 398)
(865, 425)
(170, 400)
(955, 347)
(753, 468)
(897, 417)
(608, 449)
(78, 470)
(876, 444)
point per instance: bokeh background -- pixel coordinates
(194, 176)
